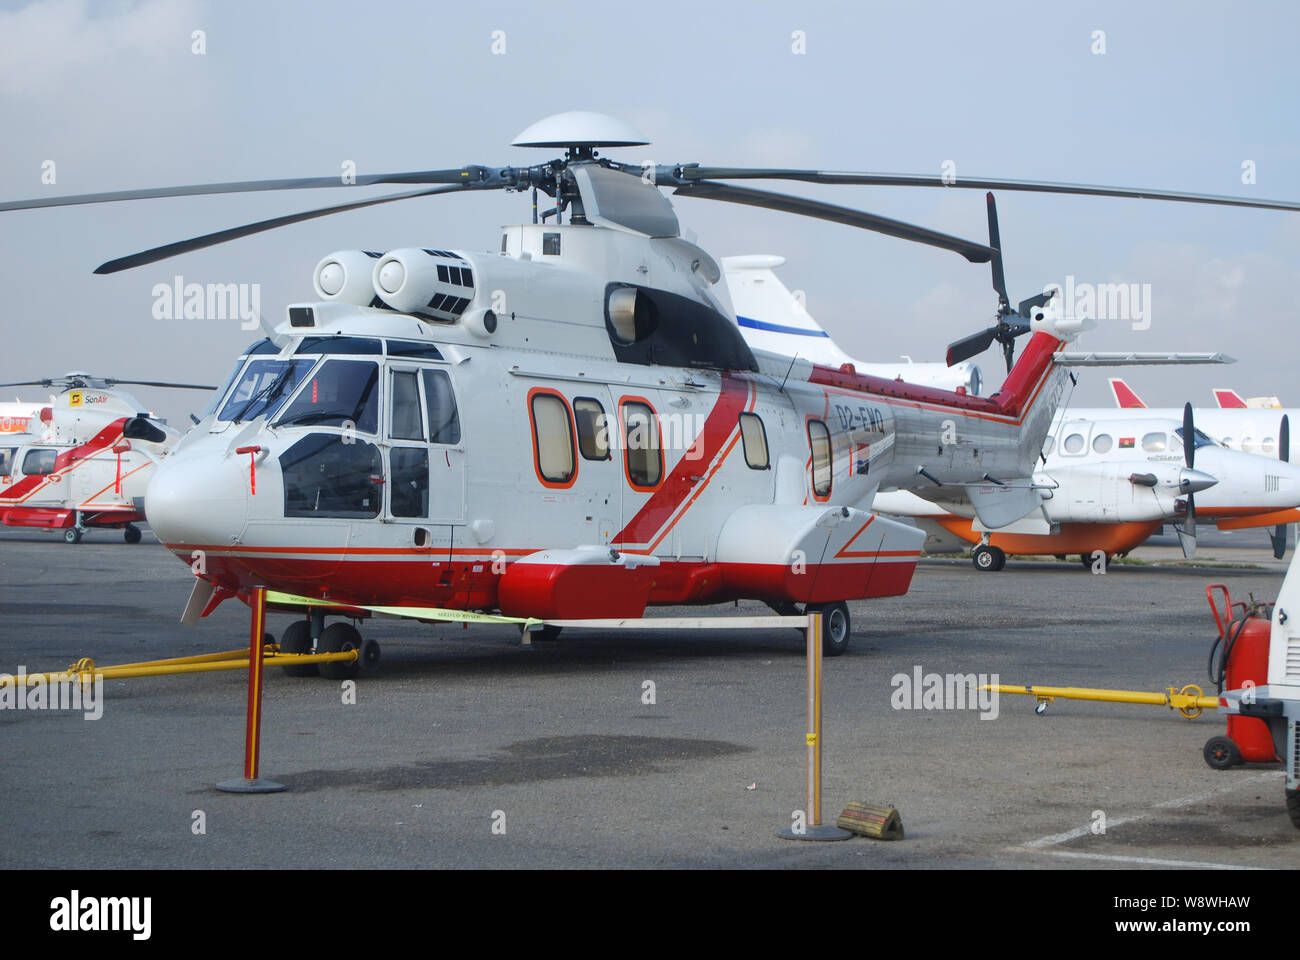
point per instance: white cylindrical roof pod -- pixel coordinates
(431, 283)
(345, 276)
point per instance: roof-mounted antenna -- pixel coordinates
(787, 372)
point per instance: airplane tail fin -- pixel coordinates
(1228, 399)
(1125, 398)
(771, 317)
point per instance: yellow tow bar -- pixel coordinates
(85, 671)
(1189, 701)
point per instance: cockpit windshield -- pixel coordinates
(342, 393)
(1201, 440)
(264, 385)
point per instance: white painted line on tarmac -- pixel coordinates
(1148, 861)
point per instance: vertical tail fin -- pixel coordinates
(1125, 398)
(1228, 399)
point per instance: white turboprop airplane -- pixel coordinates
(1109, 484)
(1252, 425)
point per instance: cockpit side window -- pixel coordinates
(440, 404)
(38, 463)
(7, 461)
(341, 393)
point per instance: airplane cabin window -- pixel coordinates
(1102, 443)
(342, 393)
(327, 476)
(1248, 445)
(1074, 443)
(553, 439)
(7, 461)
(1269, 446)
(38, 463)
(405, 422)
(1155, 442)
(409, 481)
(819, 438)
(593, 429)
(754, 438)
(645, 459)
(440, 404)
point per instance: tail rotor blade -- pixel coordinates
(995, 241)
(971, 346)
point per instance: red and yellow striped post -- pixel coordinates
(811, 828)
(253, 728)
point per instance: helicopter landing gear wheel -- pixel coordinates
(336, 638)
(988, 559)
(72, 535)
(1293, 807)
(1221, 753)
(297, 639)
(837, 627)
(131, 533)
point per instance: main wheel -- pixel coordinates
(297, 639)
(131, 534)
(336, 638)
(988, 559)
(72, 535)
(1221, 753)
(1293, 807)
(837, 627)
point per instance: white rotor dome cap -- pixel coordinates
(579, 128)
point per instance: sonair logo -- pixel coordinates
(947, 691)
(208, 301)
(102, 914)
(35, 692)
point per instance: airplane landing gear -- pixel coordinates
(72, 535)
(297, 639)
(988, 559)
(131, 533)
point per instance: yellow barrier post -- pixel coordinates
(250, 783)
(811, 828)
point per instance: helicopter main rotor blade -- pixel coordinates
(248, 229)
(471, 174)
(974, 252)
(156, 383)
(691, 173)
(27, 383)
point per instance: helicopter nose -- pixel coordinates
(197, 501)
(1194, 481)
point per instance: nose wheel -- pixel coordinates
(131, 533)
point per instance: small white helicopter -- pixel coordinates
(72, 469)
(572, 426)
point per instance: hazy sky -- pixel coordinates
(1183, 95)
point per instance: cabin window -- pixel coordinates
(754, 438)
(593, 429)
(341, 393)
(642, 445)
(440, 404)
(1155, 442)
(553, 447)
(1102, 443)
(7, 461)
(819, 438)
(409, 481)
(405, 422)
(1074, 443)
(38, 463)
(264, 385)
(329, 475)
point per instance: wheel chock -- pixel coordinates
(879, 823)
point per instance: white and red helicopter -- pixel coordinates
(572, 426)
(71, 469)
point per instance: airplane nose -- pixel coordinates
(1194, 481)
(197, 501)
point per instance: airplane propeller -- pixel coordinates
(1278, 536)
(1187, 530)
(1011, 323)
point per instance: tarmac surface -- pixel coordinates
(467, 749)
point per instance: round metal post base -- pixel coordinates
(243, 785)
(824, 833)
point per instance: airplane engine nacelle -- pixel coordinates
(437, 284)
(345, 277)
